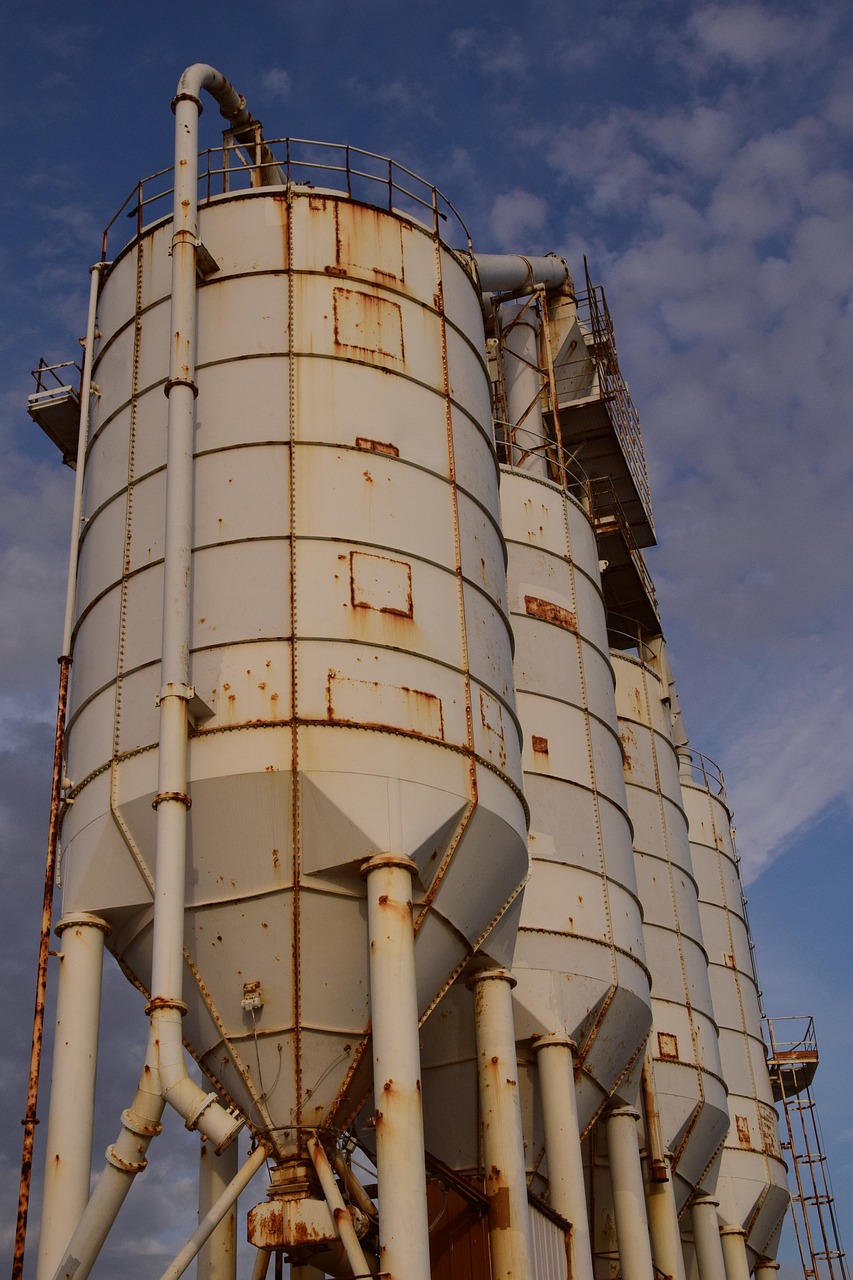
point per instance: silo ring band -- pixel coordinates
(180, 796)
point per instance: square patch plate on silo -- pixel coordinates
(378, 582)
(367, 322)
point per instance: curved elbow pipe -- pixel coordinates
(511, 273)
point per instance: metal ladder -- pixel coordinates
(792, 1063)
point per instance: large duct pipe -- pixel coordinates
(164, 1075)
(217, 1258)
(733, 1240)
(511, 273)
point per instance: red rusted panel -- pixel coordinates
(547, 611)
(459, 1235)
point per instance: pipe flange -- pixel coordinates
(180, 382)
(195, 1115)
(166, 1002)
(82, 920)
(131, 1167)
(142, 1128)
(180, 796)
(187, 97)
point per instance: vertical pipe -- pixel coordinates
(706, 1238)
(733, 1240)
(343, 1222)
(664, 1233)
(566, 1191)
(500, 1119)
(403, 1222)
(766, 1269)
(68, 1160)
(626, 1179)
(217, 1257)
(31, 1120)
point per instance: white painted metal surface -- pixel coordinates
(629, 1205)
(348, 630)
(690, 1093)
(752, 1187)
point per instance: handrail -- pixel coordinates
(516, 443)
(43, 368)
(703, 771)
(384, 184)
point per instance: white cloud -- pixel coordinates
(276, 83)
(746, 34)
(516, 217)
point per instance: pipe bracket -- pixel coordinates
(180, 382)
(187, 97)
(180, 796)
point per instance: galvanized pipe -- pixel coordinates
(510, 1240)
(667, 1252)
(68, 1159)
(733, 1240)
(566, 1193)
(629, 1208)
(215, 1214)
(706, 1238)
(31, 1119)
(511, 273)
(217, 1257)
(403, 1222)
(340, 1213)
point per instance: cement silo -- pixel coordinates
(750, 1197)
(684, 1076)
(303, 674)
(581, 998)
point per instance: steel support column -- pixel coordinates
(500, 1120)
(733, 1240)
(706, 1238)
(629, 1207)
(68, 1159)
(403, 1222)
(566, 1191)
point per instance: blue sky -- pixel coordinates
(702, 156)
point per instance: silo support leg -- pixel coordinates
(566, 1190)
(68, 1162)
(733, 1240)
(217, 1258)
(403, 1221)
(500, 1120)
(629, 1208)
(706, 1239)
(663, 1228)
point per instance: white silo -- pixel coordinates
(685, 1075)
(752, 1186)
(332, 664)
(582, 987)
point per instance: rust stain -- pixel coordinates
(540, 745)
(275, 860)
(668, 1046)
(742, 1130)
(547, 611)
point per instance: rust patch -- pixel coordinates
(377, 446)
(540, 745)
(547, 611)
(667, 1046)
(381, 583)
(742, 1125)
(367, 323)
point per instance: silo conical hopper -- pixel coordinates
(685, 1056)
(350, 653)
(752, 1184)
